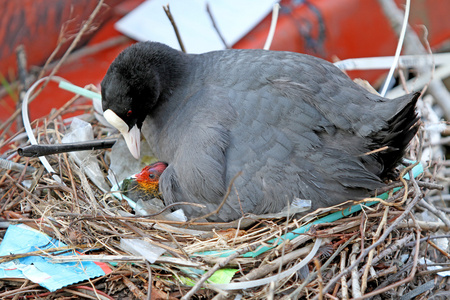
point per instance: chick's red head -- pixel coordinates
(149, 176)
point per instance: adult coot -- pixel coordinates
(295, 125)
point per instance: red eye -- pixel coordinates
(129, 113)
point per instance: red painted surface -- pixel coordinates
(347, 29)
(41, 38)
(328, 29)
(37, 24)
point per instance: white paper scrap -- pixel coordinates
(424, 261)
(234, 18)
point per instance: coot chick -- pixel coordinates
(145, 184)
(295, 125)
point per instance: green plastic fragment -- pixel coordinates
(186, 280)
(79, 90)
(222, 276)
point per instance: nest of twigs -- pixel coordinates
(376, 252)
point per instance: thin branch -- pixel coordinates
(74, 43)
(175, 27)
(208, 10)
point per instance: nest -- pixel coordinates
(376, 251)
(390, 249)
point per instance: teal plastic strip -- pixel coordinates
(79, 90)
(417, 170)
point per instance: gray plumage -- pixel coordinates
(295, 125)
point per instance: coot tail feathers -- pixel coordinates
(400, 130)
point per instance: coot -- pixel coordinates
(145, 184)
(295, 125)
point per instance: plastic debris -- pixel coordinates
(142, 248)
(123, 164)
(39, 269)
(426, 261)
(82, 131)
